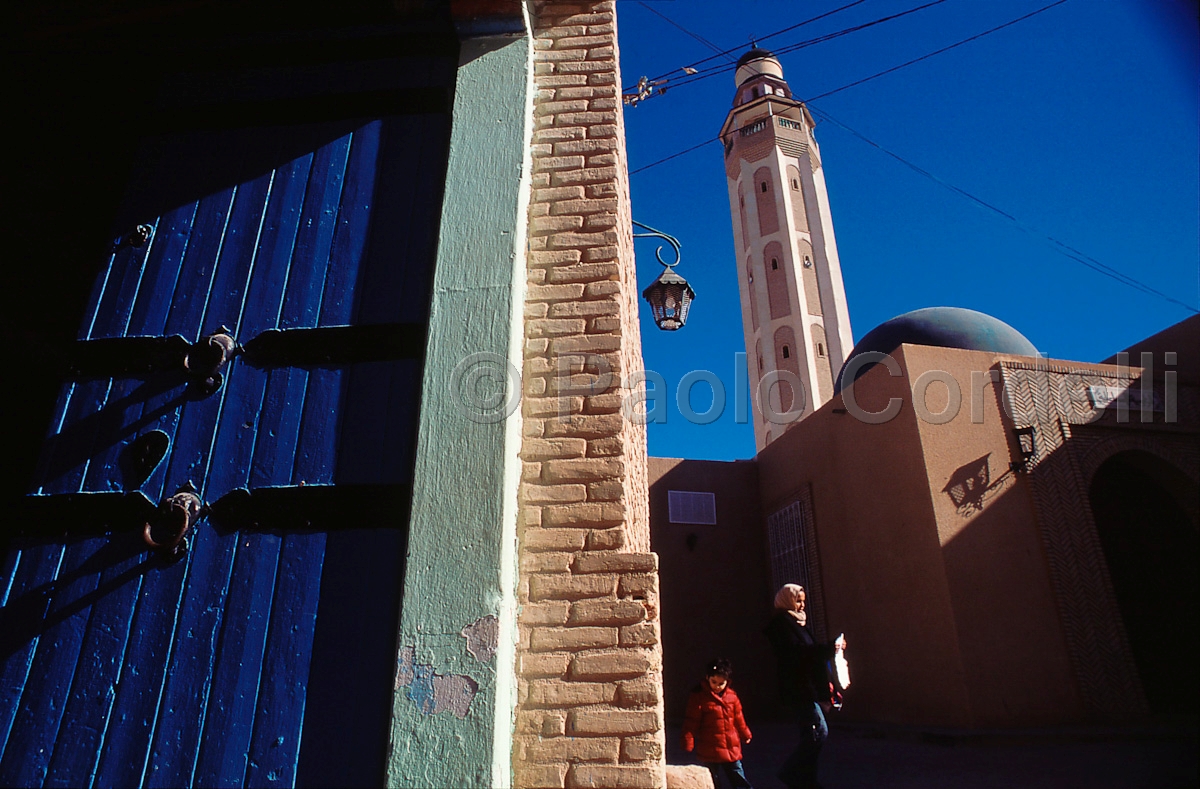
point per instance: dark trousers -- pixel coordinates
(800, 769)
(733, 773)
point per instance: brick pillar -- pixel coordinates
(590, 708)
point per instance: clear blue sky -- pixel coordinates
(1080, 122)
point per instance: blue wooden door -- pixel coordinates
(263, 654)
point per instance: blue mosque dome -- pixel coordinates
(941, 327)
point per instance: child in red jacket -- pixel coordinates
(714, 726)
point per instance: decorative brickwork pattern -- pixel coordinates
(1072, 439)
(589, 707)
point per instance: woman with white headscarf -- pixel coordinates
(803, 682)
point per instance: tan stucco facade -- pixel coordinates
(968, 577)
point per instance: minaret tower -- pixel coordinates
(793, 302)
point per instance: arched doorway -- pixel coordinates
(1150, 543)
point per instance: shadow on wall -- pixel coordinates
(715, 590)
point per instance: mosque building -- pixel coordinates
(1003, 538)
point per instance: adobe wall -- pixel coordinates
(882, 573)
(1014, 654)
(589, 698)
(715, 595)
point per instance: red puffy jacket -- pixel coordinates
(714, 726)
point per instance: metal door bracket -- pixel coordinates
(167, 531)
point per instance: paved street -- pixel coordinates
(1146, 757)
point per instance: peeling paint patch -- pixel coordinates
(483, 637)
(433, 692)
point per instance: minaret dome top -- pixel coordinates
(757, 61)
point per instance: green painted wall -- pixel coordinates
(455, 686)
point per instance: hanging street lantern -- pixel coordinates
(670, 296)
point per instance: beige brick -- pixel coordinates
(585, 272)
(609, 403)
(602, 51)
(586, 175)
(555, 224)
(538, 346)
(553, 448)
(599, 222)
(576, 749)
(539, 776)
(545, 664)
(545, 68)
(561, 80)
(535, 386)
(583, 470)
(600, 721)
(535, 276)
(569, 240)
(531, 472)
(641, 749)
(599, 288)
(552, 540)
(615, 776)
(558, 55)
(611, 664)
(605, 540)
(538, 181)
(588, 425)
(555, 723)
(601, 254)
(537, 310)
(643, 692)
(602, 78)
(554, 257)
(569, 587)
(563, 31)
(530, 516)
(556, 494)
(583, 207)
(556, 292)
(605, 306)
(639, 585)
(531, 427)
(585, 41)
(556, 693)
(606, 612)
(550, 639)
(616, 562)
(605, 447)
(556, 193)
(601, 104)
(584, 515)
(552, 407)
(603, 130)
(606, 490)
(604, 325)
(539, 209)
(558, 135)
(585, 67)
(554, 327)
(553, 108)
(640, 635)
(585, 343)
(578, 92)
(530, 722)
(553, 612)
(549, 562)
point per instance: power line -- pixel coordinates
(1063, 248)
(722, 69)
(937, 52)
(699, 38)
(723, 53)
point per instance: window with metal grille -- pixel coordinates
(789, 553)
(687, 506)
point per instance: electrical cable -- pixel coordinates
(1063, 248)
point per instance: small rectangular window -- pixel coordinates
(688, 506)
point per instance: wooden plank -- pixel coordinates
(125, 750)
(189, 683)
(191, 258)
(278, 724)
(53, 671)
